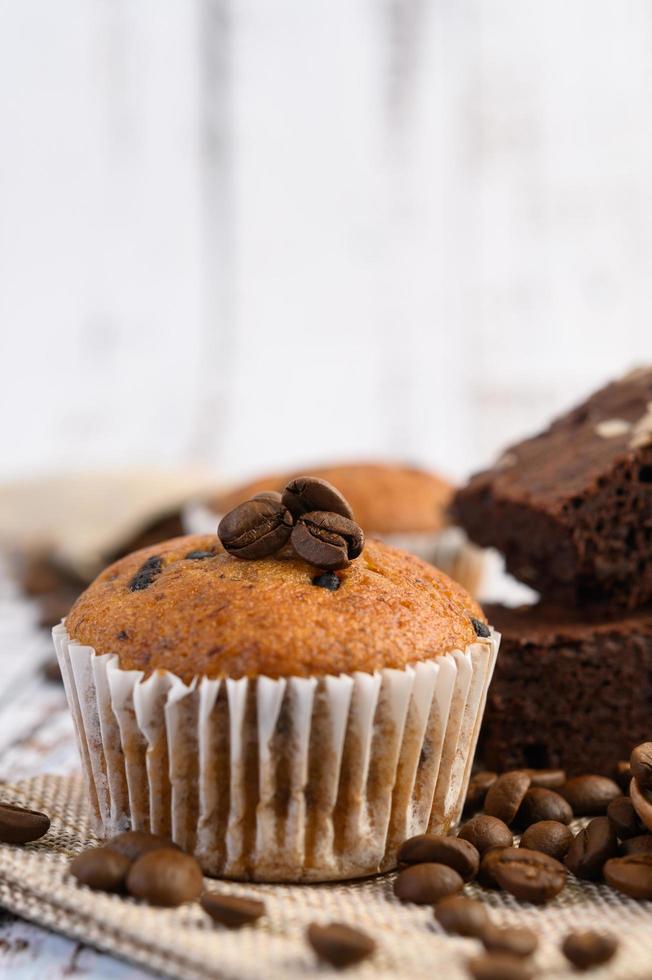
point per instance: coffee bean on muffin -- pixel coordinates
(498, 966)
(308, 493)
(624, 818)
(425, 884)
(543, 804)
(530, 876)
(232, 911)
(19, 825)
(133, 843)
(101, 869)
(456, 852)
(591, 849)
(327, 540)
(631, 875)
(590, 795)
(327, 580)
(587, 949)
(478, 786)
(515, 940)
(506, 794)
(462, 916)
(637, 845)
(255, 529)
(485, 832)
(146, 574)
(339, 944)
(547, 778)
(640, 762)
(642, 802)
(548, 836)
(165, 877)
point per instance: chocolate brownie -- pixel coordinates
(571, 508)
(571, 689)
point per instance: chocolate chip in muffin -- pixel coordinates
(198, 555)
(146, 574)
(480, 628)
(327, 580)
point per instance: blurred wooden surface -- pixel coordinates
(246, 234)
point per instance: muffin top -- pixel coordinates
(386, 498)
(188, 607)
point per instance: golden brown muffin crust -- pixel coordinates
(386, 498)
(221, 616)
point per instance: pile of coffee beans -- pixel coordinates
(310, 520)
(614, 845)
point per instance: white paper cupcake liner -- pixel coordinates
(297, 779)
(449, 549)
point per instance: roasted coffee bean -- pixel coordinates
(589, 795)
(255, 529)
(456, 852)
(631, 875)
(481, 629)
(591, 849)
(327, 580)
(340, 945)
(307, 493)
(543, 804)
(19, 825)
(101, 869)
(485, 832)
(624, 818)
(478, 786)
(640, 762)
(165, 877)
(506, 795)
(327, 540)
(486, 876)
(146, 574)
(462, 916)
(547, 778)
(642, 802)
(272, 495)
(498, 966)
(425, 884)
(623, 774)
(232, 911)
(515, 940)
(530, 876)
(133, 843)
(638, 845)
(588, 949)
(548, 836)
(198, 555)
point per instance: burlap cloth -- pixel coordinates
(183, 942)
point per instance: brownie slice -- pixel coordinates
(571, 689)
(571, 508)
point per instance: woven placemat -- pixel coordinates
(184, 943)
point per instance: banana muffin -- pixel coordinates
(403, 505)
(281, 722)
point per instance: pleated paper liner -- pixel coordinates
(297, 779)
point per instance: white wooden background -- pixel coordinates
(242, 233)
(247, 232)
